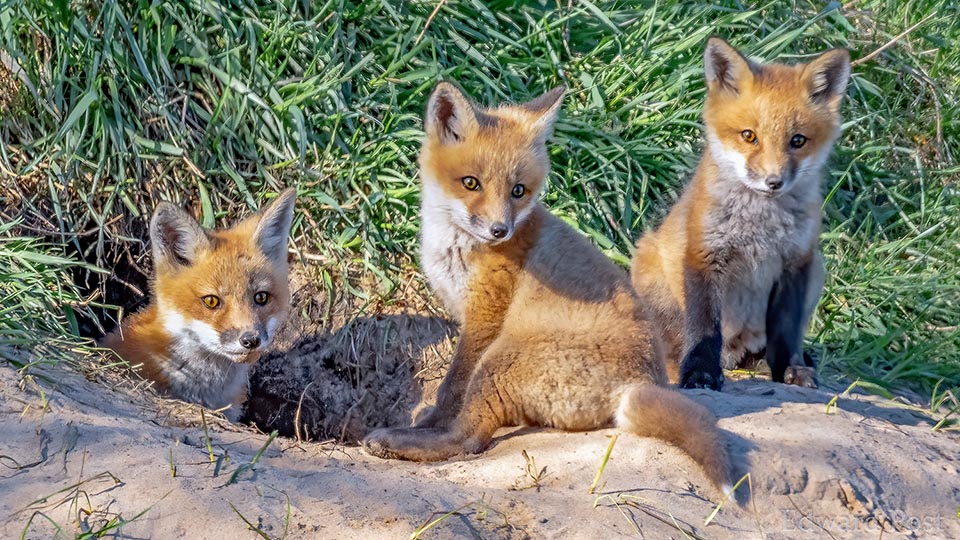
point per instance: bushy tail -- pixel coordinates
(653, 411)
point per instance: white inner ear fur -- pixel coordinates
(543, 125)
(724, 67)
(176, 234)
(273, 230)
(450, 115)
(830, 77)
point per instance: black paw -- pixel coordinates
(701, 367)
(701, 379)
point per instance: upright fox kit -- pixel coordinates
(551, 332)
(735, 268)
(218, 299)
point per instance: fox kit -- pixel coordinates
(551, 332)
(218, 299)
(735, 270)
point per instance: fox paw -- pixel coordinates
(702, 379)
(380, 443)
(701, 367)
(800, 376)
(413, 444)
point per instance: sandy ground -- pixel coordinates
(95, 453)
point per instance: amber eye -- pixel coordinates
(749, 136)
(211, 301)
(798, 141)
(261, 298)
(518, 191)
(470, 183)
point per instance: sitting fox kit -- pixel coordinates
(551, 332)
(735, 270)
(218, 299)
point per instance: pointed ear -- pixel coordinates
(273, 227)
(451, 116)
(176, 237)
(545, 109)
(826, 77)
(724, 67)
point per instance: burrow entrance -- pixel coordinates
(339, 372)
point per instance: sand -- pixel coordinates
(95, 453)
(79, 451)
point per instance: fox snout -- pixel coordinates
(494, 230)
(500, 230)
(250, 340)
(241, 342)
(772, 182)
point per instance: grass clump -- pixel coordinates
(38, 303)
(116, 105)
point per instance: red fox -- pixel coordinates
(551, 331)
(735, 271)
(218, 299)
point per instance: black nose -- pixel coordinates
(774, 183)
(250, 340)
(499, 230)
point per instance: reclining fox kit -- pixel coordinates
(735, 271)
(551, 330)
(218, 299)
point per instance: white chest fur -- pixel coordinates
(443, 250)
(195, 373)
(750, 231)
(213, 381)
(753, 238)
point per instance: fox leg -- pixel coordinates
(667, 327)
(450, 394)
(744, 306)
(815, 279)
(469, 432)
(791, 303)
(671, 350)
(487, 301)
(700, 367)
(414, 443)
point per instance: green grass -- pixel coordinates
(38, 303)
(219, 104)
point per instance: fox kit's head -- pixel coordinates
(222, 293)
(771, 126)
(483, 169)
